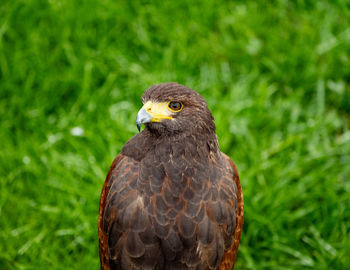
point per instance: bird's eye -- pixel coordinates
(175, 106)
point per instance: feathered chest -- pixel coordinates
(179, 199)
(178, 169)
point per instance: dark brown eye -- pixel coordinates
(175, 106)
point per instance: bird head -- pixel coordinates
(172, 108)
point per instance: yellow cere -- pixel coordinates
(158, 110)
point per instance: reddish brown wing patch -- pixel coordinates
(102, 236)
(229, 257)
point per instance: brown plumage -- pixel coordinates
(171, 199)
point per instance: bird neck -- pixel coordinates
(190, 145)
(198, 139)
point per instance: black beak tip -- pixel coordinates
(138, 126)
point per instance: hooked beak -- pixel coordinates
(143, 117)
(153, 112)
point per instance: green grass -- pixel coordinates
(276, 75)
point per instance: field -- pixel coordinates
(276, 75)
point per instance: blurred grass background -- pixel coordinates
(276, 75)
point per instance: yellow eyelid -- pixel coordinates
(172, 109)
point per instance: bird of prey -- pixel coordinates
(171, 199)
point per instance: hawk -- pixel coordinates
(171, 199)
